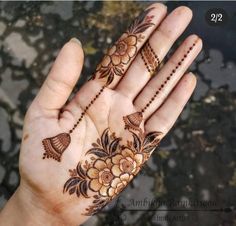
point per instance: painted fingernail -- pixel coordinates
(76, 41)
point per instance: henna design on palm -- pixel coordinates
(133, 120)
(115, 163)
(121, 54)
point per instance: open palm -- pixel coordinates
(77, 157)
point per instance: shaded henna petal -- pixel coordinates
(95, 185)
(92, 173)
(100, 164)
(116, 170)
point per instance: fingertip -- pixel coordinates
(184, 10)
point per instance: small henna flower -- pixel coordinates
(124, 49)
(127, 162)
(101, 176)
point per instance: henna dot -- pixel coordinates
(179, 63)
(173, 71)
(168, 78)
(191, 48)
(162, 86)
(71, 131)
(185, 55)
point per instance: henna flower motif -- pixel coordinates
(127, 162)
(118, 184)
(101, 176)
(124, 49)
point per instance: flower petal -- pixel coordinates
(131, 40)
(95, 185)
(125, 177)
(92, 173)
(125, 58)
(111, 192)
(131, 50)
(116, 170)
(115, 182)
(127, 153)
(115, 59)
(138, 158)
(112, 50)
(103, 191)
(100, 164)
(106, 60)
(116, 159)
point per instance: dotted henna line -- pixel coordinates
(168, 78)
(86, 109)
(144, 55)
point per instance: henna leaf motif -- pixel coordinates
(105, 140)
(97, 151)
(137, 142)
(140, 25)
(151, 140)
(77, 183)
(113, 146)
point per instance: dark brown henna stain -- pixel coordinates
(124, 50)
(111, 168)
(26, 137)
(149, 58)
(168, 77)
(55, 146)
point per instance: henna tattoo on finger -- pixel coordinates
(150, 59)
(117, 59)
(113, 64)
(134, 120)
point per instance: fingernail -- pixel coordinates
(76, 41)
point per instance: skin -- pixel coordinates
(39, 199)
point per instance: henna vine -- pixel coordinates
(113, 64)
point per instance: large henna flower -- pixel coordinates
(127, 162)
(101, 176)
(124, 49)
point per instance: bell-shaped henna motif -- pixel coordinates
(133, 121)
(55, 146)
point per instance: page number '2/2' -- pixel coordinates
(216, 17)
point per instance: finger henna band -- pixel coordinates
(113, 64)
(149, 58)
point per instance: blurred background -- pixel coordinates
(191, 178)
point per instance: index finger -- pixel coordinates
(119, 57)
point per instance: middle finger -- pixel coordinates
(160, 42)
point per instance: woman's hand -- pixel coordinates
(77, 156)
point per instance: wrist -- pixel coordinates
(24, 210)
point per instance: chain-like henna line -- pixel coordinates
(134, 120)
(121, 54)
(55, 146)
(149, 58)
